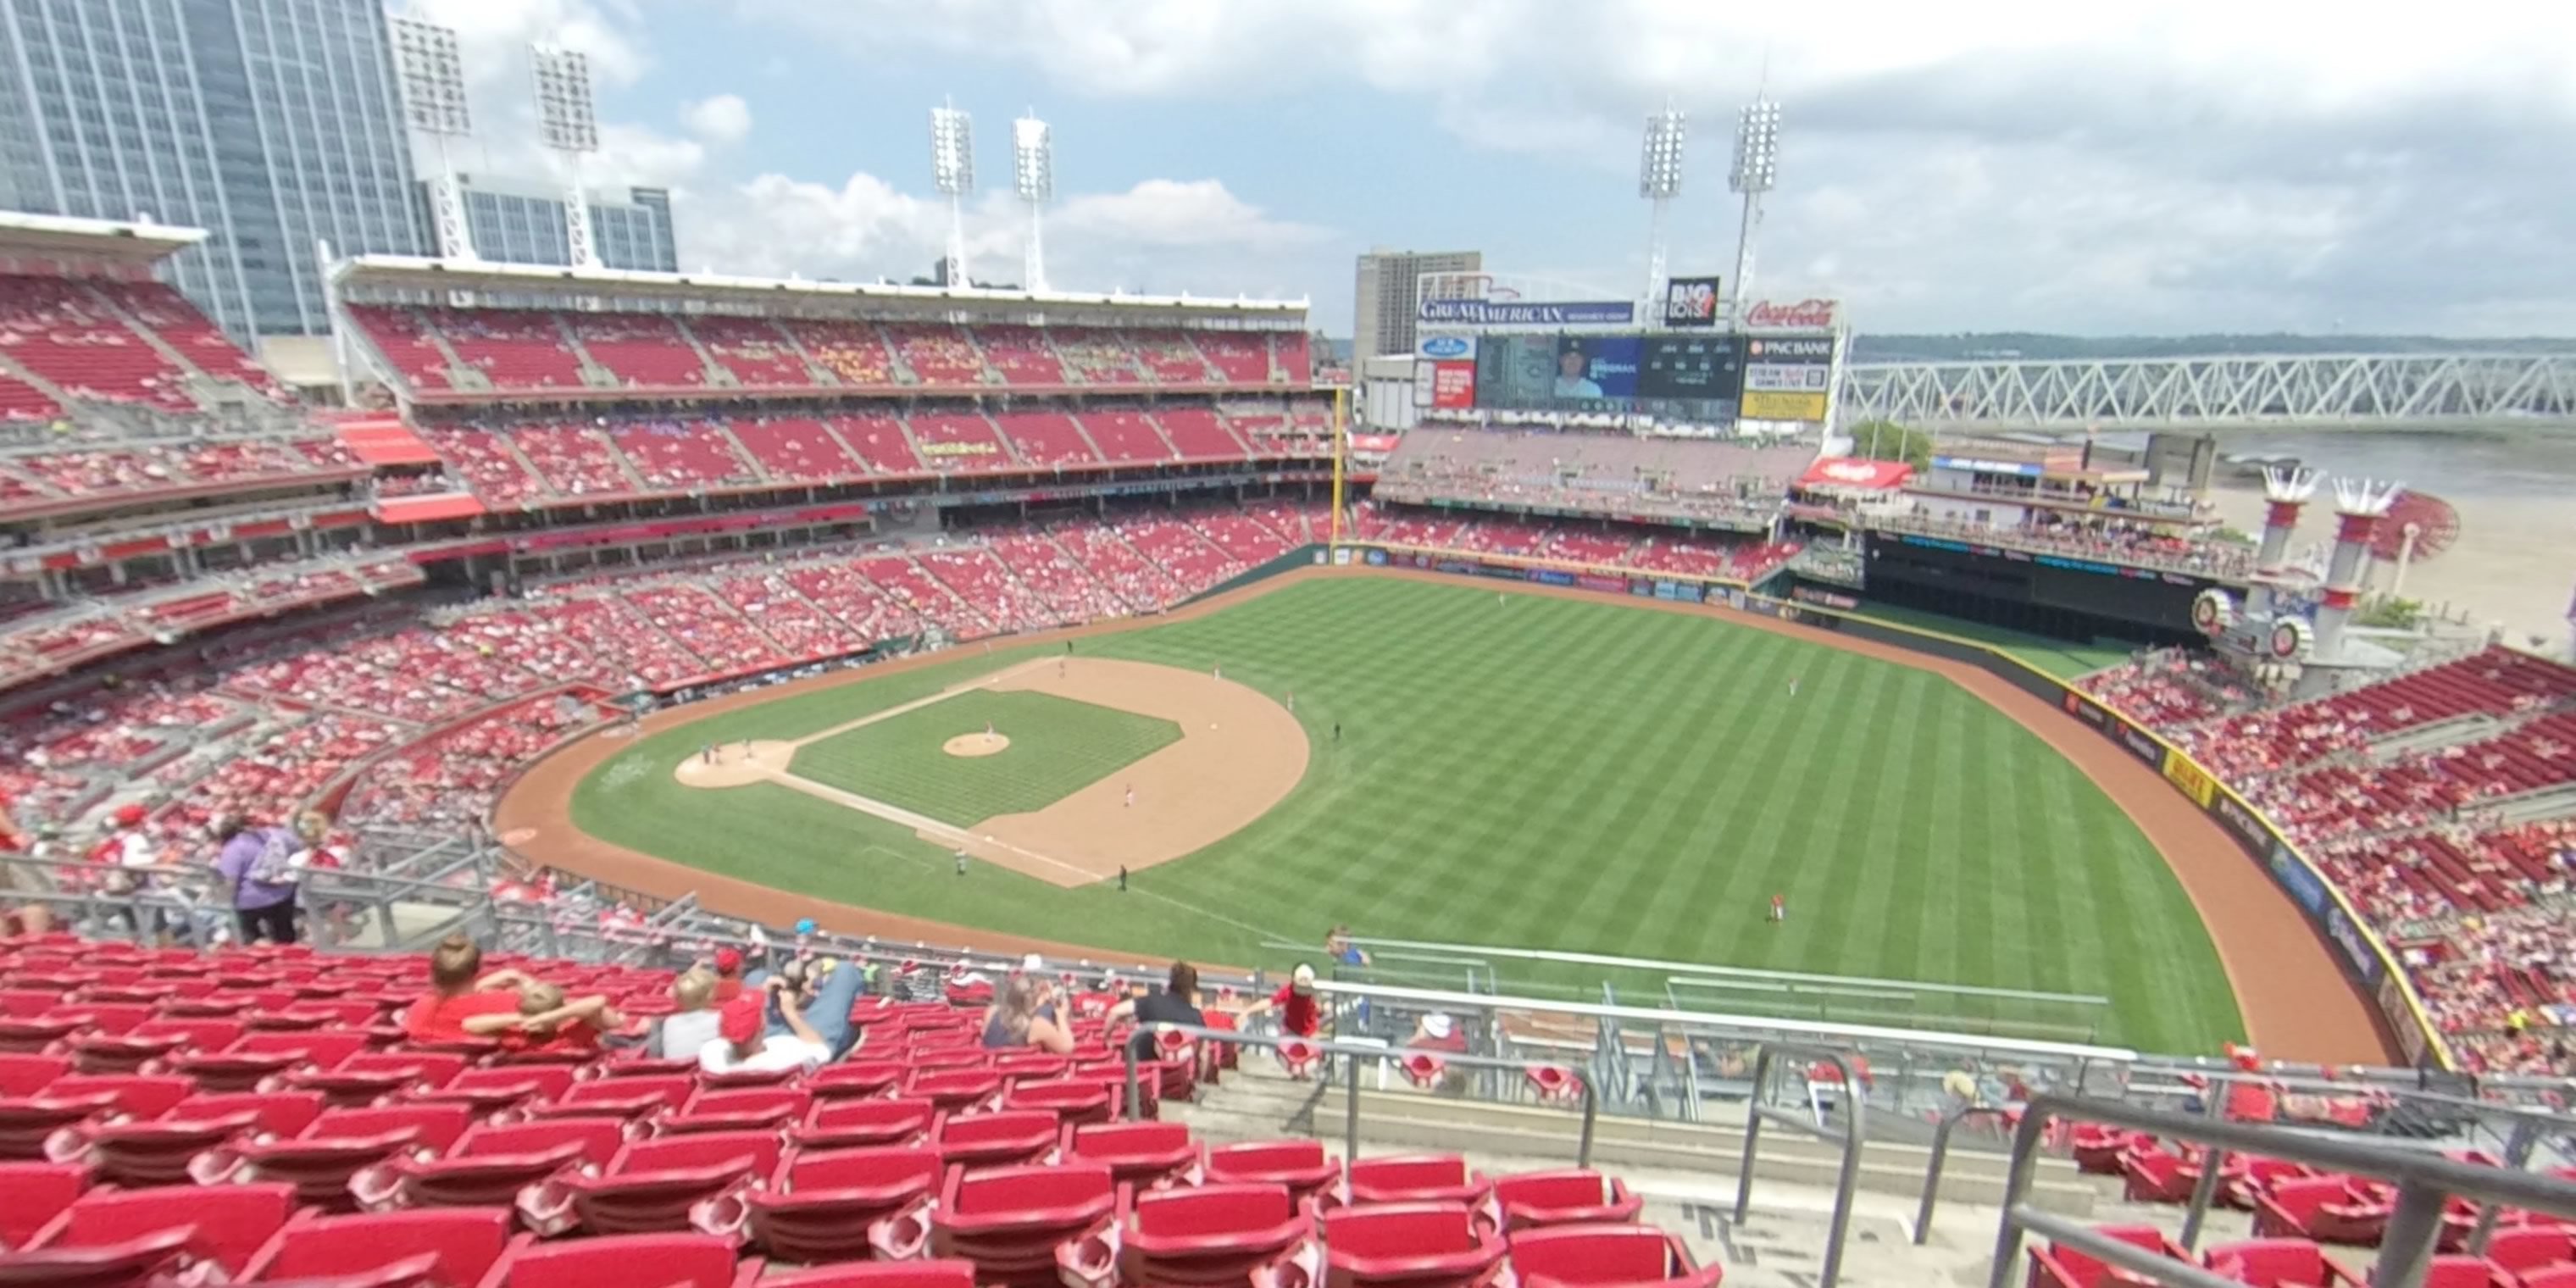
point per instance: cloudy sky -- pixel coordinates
(2184, 167)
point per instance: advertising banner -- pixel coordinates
(1446, 348)
(1521, 313)
(1786, 378)
(1453, 384)
(1759, 404)
(1376, 558)
(1790, 350)
(2300, 880)
(1691, 302)
(2235, 817)
(1665, 590)
(1551, 577)
(1975, 466)
(2356, 949)
(2401, 1021)
(1792, 315)
(2182, 773)
(1609, 585)
(2140, 743)
(1689, 592)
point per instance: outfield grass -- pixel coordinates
(1057, 746)
(2060, 658)
(1547, 773)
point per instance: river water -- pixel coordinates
(2514, 562)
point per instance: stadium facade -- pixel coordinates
(523, 224)
(272, 124)
(1388, 281)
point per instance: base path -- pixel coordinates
(2296, 1004)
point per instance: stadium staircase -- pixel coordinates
(594, 373)
(717, 375)
(460, 373)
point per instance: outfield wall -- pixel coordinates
(2357, 950)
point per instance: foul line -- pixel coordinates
(916, 704)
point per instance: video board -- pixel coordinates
(1694, 377)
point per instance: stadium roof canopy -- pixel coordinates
(26, 236)
(367, 273)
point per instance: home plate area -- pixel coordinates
(1066, 769)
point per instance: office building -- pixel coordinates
(272, 124)
(1385, 298)
(517, 223)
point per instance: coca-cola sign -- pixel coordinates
(1804, 315)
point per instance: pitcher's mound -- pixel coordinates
(736, 764)
(977, 744)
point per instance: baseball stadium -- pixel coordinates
(948, 785)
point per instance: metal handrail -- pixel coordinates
(2423, 1183)
(1940, 1158)
(1360, 1054)
(1850, 1137)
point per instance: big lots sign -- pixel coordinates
(1804, 315)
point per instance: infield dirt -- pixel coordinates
(2296, 1003)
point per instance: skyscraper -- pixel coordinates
(524, 224)
(1387, 282)
(270, 123)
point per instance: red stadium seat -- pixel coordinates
(840, 1124)
(2530, 1247)
(752, 1109)
(652, 1184)
(854, 1079)
(2328, 1209)
(224, 1226)
(2052, 1266)
(490, 1165)
(675, 1261)
(36, 1192)
(898, 1274)
(2278, 1263)
(1416, 1178)
(1010, 1221)
(1145, 1155)
(1571, 1197)
(1301, 1165)
(462, 1244)
(1005, 1139)
(1210, 1234)
(132, 1264)
(1607, 1256)
(24, 1074)
(823, 1204)
(1418, 1245)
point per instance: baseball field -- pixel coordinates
(1438, 761)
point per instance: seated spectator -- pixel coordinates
(1436, 1031)
(744, 1045)
(547, 1023)
(824, 990)
(458, 992)
(1176, 1003)
(728, 963)
(1024, 1016)
(684, 1033)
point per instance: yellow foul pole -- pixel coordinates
(1341, 456)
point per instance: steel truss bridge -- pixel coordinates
(2355, 389)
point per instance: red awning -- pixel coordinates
(1853, 472)
(428, 509)
(385, 441)
(1380, 443)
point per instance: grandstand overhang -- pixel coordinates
(24, 235)
(410, 273)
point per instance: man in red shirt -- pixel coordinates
(459, 992)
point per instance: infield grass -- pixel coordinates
(1546, 773)
(1057, 746)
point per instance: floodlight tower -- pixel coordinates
(433, 93)
(952, 167)
(1033, 174)
(1756, 168)
(1659, 180)
(568, 122)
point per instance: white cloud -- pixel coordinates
(1182, 213)
(722, 119)
(2188, 165)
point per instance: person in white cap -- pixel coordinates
(1300, 1014)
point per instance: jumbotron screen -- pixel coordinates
(1695, 377)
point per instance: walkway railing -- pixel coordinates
(2425, 1183)
(1852, 1134)
(1354, 1056)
